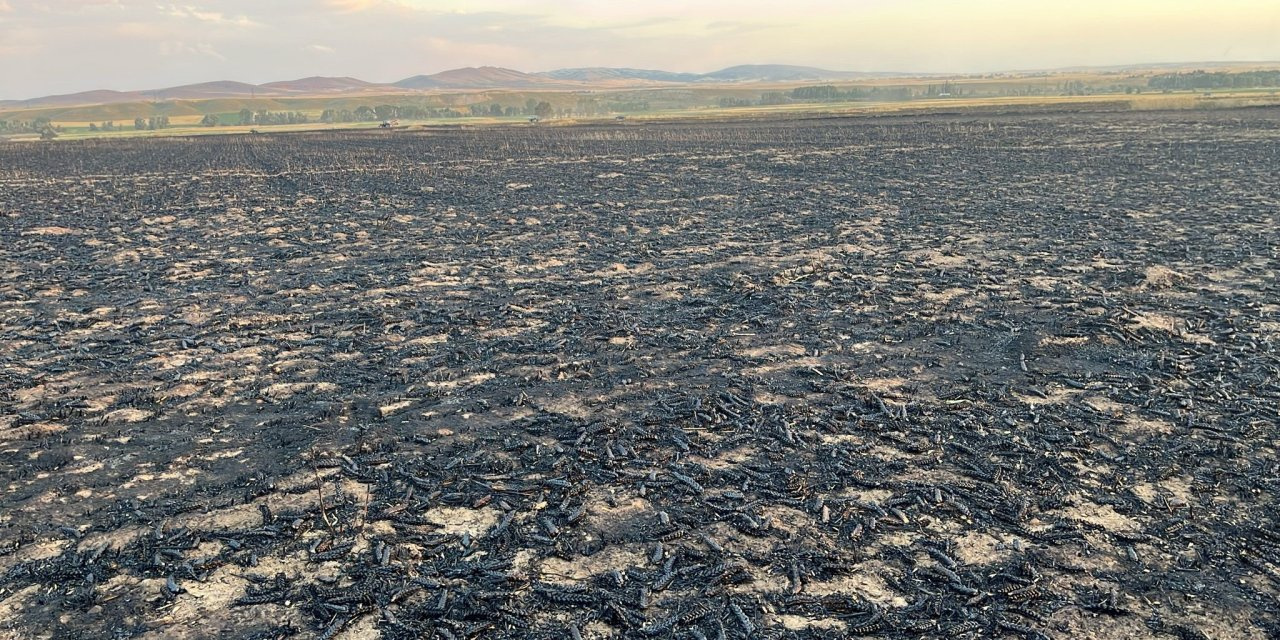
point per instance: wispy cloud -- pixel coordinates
(69, 7)
(741, 26)
(210, 17)
(177, 48)
(355, 6)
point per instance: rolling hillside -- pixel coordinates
(476, 78)
(784, 73)
(608, 74)
(469, 78)
(588, 90)
(321, 84)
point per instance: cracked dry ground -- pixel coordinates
(1007, 376)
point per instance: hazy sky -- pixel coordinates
(59, 46)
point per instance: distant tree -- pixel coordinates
(543, 109)
(139, 124)
(246, 116)
(366, 113)
(774, 97)
(47, 132)
(588, 107)
(643, 105)
(1074, 88)
(93, 126)
(1215, 80)
(209, 120)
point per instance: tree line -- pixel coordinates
(1215, 80)
(531, 108)
(42, 126)
(139, 124)
(365, 113)
(832, 93)
(261, 117)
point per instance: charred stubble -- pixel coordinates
(907, 378)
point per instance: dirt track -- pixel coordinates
(910, 378)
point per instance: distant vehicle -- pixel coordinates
(386, 124)
(534, 119)
(620, 118)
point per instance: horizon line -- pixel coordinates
(898, 73)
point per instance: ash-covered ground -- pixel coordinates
(967, 377)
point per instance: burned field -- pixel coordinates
(918, 378)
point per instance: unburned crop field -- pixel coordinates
(1008, 376)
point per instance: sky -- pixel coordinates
(63, 46)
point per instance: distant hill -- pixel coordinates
(321, 84)
(204, 90)
(419, 82)
(219, 89)
(469, 78)
(101, 96)
(476, 78)
(1160, 66)
(608, 74)
(485, 78)
(779, 73)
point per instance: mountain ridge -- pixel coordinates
(787, 73)
(465, 78)
(320, 84)
(493, 78)
(475, 78)
(606, 74)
